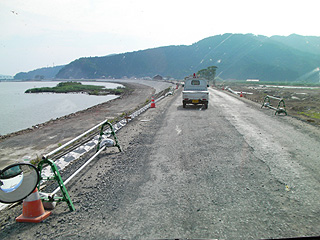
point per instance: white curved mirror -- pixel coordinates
(17, 182)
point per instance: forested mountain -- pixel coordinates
(41, 73)
(303, 43)
(237, 56)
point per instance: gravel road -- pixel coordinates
(233, 171)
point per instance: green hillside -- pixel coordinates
(41, 73)
(237, 56)
(308, 44)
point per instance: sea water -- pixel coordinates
(19, 110)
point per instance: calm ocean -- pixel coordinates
(19, 110)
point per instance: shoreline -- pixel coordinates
(51, 121)
(68, 116)
(42, 138)
(38, 113)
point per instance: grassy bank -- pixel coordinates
(77, 87)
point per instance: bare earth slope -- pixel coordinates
(46, 137)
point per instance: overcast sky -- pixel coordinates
(41, 33)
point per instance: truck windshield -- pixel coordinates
(195, 82)
(195, 85)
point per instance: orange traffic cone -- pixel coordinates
(32, 210)
(153, 105)
(241, 95)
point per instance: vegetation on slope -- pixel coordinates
(39, 74)
(237, 56)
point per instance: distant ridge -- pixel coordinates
(237, 56)
(41, 73)
(308, 44)
(2, 77)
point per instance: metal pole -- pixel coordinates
(73, 140)
(57, 177)
(82, 167)
(274, 97)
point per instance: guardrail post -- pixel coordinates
(56, 176)
(279, 109)
(266, 102)
(112, 133)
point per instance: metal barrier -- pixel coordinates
(57, 177)
(116, 144)
(279, 109)
(230, 90)
(49, 170)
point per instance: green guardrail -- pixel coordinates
(281, 107)
(57, 177)
(112, 133)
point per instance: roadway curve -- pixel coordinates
(233, 171)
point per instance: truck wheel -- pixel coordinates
(206, 106)
(184, 105)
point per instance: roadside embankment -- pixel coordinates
(32, 143)
(300, 102)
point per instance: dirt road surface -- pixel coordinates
(233, 171)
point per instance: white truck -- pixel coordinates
(195, 92)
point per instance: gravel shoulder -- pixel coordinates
(109, 165)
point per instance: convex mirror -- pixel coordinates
(17, 181)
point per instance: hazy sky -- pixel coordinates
(41, 33)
